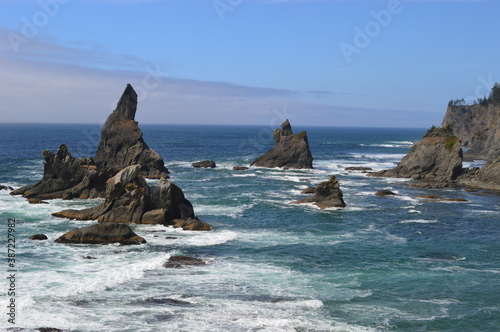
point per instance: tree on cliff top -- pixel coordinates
(495, 94)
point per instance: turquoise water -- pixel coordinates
(396, 263)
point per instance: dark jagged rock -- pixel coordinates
(65, 176)
(385, 192)
(204, 164)
(437, 157)
(327, 195)
(2, 187)
(176, 262)
(240, 168)
(129, 199)
(122, 144)
(290, 150)
(39, 237)
(104, 233)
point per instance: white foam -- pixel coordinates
(222, 210)
(418, 221)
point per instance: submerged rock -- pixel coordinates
(327, 195)
(104, 233)
(290, 150)
(192, 224)
(122, 144)
(204, 164)
(358, 168)
(384, 192)
(176, 262)
(240, 168)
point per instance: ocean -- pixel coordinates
(395, 263)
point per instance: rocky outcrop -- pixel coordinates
(487, 177)
(2, 187)
(437, 157)
(105, 233)
(290, 150)
(327, 195)
(204, 164)
(122, 144)
(478, 127)
(129, 199)
(65, 176)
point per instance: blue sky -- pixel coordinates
(333, 63)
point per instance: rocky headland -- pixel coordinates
(438, 157)
(291, 151)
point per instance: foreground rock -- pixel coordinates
(67, 177)
(437, 157)
(105, 233)
(129, 199)
(122, 144)
(327, 195)
(290, 150)
(2, 187)
(204, 164)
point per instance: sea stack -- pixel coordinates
(291, 151)
(326, 195)
(129, 199)
(67, 177)
(122, 144)
(436, 157)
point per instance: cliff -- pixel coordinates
(436, 157)
(478, 127)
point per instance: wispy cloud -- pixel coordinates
(54, 83)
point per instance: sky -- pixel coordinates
(370, 63)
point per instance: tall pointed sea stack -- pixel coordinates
(290, 150)
(122, 144)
